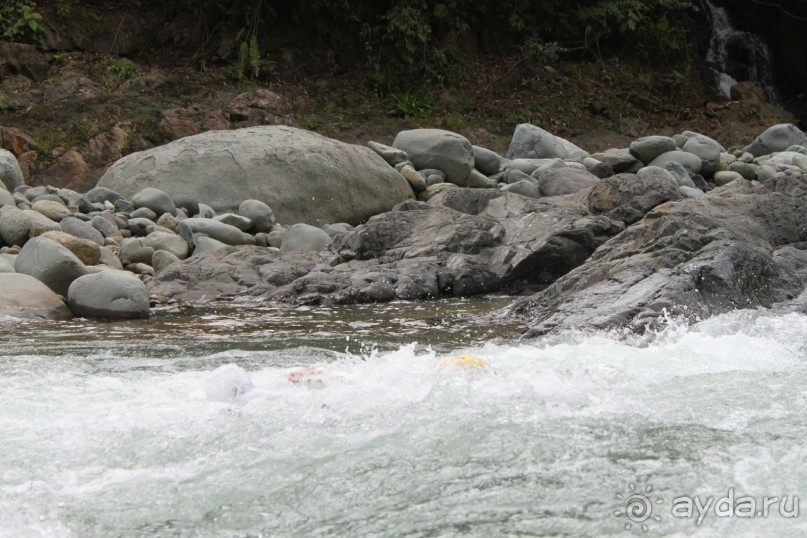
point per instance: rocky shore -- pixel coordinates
(625, 237)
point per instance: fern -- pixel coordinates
(254, 56)
(243, 58)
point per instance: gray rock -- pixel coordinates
(689, 192)
(10, 173)
(655, 171)
(435, 148)
(109, 257)
(190, 206)
(707, 149)
(169, 221)
(620, 160)
(532, 142)
(51, 263)
(23, 296)
(259, 213)
(336, 228)
(416, 180)
(648, 148)
(434, 179)
(776, 138)
(477, 180)
(143, 213)
(486, 161)
(242, 223)
(141, 227)
(87, 251)
(691, 162)
(205, 211)
(125, 206)
(206, 244)
(627, 197)
(6, 198)
(81, 229)
(106, 226)
(109, 295)
(302, 176)
(102, 194)
(526, 166)
(229, 235)
(303, 237)
(696, 258)
(391, 155)
(162, 259)
(275, 237)
(17, 226)
(514, 176)
(170, 242)
(748, 171)
(524, 188)
(132, 250)
(560, 181)
(154, 199)
(55, 211)
(725, 177)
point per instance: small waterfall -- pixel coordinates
(735, 55)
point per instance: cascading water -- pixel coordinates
(736, 55)
(332, 421)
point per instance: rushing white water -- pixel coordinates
(737, 54)
(120, 434)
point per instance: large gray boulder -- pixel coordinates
(532, 142)
(23, 296)
(109, 294)
(735, 247)
(443, 150)
(302, 176)
(10, 173)
(51, 263)
(776, 138)
(691, 162)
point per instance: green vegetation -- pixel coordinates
(20, 21)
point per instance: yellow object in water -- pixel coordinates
(463, 361)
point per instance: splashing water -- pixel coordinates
(179, 433)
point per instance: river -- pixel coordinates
(189, 424)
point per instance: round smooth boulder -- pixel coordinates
(154, 199)
(23, 296)
(302, 237)
(560, 181)
(776, 138)
(302, 176)
(51, 263)
(10, 172)
(648, 148)
(110, 295)
(55, 211)
(229, 235)
(532, 142)
(259, 213)
(89, 252)
(691, 162)
(707, 149)
(436, 148)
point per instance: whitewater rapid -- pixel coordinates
(162, 438)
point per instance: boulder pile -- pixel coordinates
(614, 238)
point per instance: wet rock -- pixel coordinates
(23, 296)
(51, 263)
(695, 258)
(109, 295)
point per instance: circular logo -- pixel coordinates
(637, 507)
